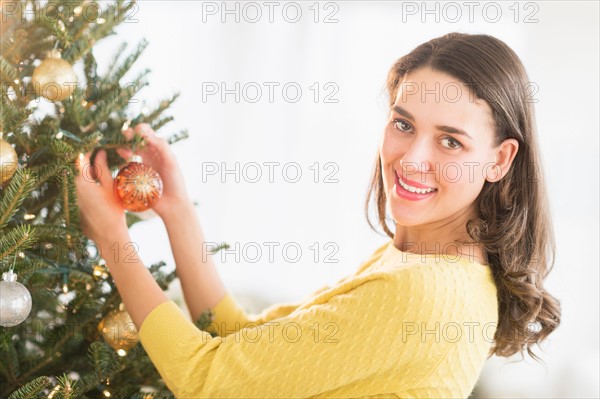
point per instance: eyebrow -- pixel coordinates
(447, 129)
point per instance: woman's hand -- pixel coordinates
(157, 154)
(102, 216)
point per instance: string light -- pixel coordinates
(100, 272)
(53, 392)
(65, 287)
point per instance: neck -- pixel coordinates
(447, 237)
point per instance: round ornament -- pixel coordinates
(15, 301)
(138, 186)
(118, 330)
(8, 160)
(54, 79)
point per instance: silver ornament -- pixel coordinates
(15, 300)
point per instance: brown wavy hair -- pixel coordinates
(514, 225)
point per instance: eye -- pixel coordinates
(402, 125)
(451, 143)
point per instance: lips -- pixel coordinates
(413, 186)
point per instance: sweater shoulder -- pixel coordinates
(442, 290)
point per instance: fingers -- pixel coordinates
(78, 169)
(102, 170)
(124, 153)
(92, 174)
(128, 133)
(144, 130)
(81, 165)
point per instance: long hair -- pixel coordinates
(514, 225)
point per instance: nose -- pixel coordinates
(417, 158)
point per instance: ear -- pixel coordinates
(505, 154)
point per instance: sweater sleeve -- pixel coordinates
(229, 317)
(299, 355)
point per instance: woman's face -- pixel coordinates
(438, 142)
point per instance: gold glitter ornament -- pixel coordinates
(54, 79)
(8, 160)
(118, 330)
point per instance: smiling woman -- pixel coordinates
(459, 171)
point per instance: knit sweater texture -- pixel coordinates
(404, 325)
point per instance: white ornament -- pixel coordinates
(15, 300)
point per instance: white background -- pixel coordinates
(559, 51)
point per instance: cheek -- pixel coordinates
(391, 148)
(386, 147)
(464, 179)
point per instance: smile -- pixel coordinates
(412, 189)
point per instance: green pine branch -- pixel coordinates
(31, 389)
(67, 388)
(13, 118)
(16, 239)
(37, 215)
(22, 184)
(8, 73)
(121, 69)
(26, 268)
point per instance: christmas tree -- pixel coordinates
(63, 330)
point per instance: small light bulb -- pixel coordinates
(51, 395)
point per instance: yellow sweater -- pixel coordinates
(404, 325)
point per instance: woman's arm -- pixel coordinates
(102, 219)
(202, 287)
(138, 290)
(200, 281)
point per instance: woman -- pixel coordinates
(460, 279)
